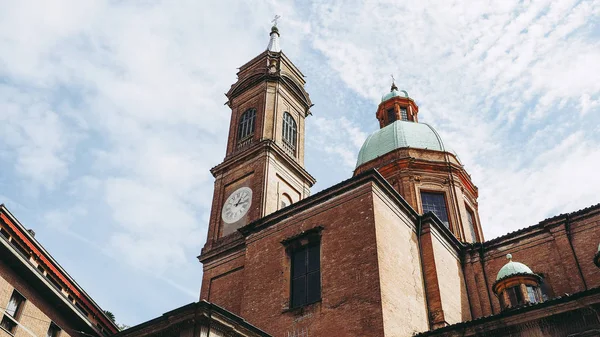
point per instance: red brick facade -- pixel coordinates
(560, 249)
(386, 269)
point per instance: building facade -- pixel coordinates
(396, 250)
(37, 296)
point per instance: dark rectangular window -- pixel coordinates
(54, 282)
(436, 203)
(306, 275)
(53, 330)
(24, 252)
(515, 296)
(403, 114)
(471, 221)
(4, 233)
(391, 115)
(532, 294)
(81, 309)
(12, 312)
(545, 288)
(9, 324)
(246, 125)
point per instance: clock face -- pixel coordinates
(237, 205)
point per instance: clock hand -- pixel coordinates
(239, 201)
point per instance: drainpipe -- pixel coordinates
(462, 262)
(419, 230)
(568, 230)
(485, 279)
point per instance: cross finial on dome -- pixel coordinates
(394, 87)
(509, 257)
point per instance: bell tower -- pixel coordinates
(263, 169)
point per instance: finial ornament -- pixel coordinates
(394, 87)
(509, 257)
(274, 41)
(277, 17)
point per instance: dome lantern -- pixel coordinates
(396, 105)
(517, 285)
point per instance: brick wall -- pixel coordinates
(351, 296)
(37, 313)
(223, 280)
(546, 249)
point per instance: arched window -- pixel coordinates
(289, 132)
(246, 126)
(285, 201)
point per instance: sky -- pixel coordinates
(112, 113)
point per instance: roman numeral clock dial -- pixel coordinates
(237, 205)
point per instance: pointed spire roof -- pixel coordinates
(274, 41)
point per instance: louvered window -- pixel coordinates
(246, 126)
(471, 221)
(12, 312)
(290, 133)
(306, 275)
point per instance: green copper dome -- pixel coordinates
(398, 135)
(513, 268)
(394, 93)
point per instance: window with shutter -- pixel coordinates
(12, 312)
(246, 125)
(290, 133)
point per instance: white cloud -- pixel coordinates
(487, 75)
(116, 108)
(338, 137)
(34, 137)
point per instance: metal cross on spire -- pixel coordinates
(277, 17)
(274, 42)
(394, 87)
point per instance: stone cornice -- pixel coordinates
(254, 150)
(518, 315)
(443, 233)
(202, 312)
(403, 158)
(271, 71)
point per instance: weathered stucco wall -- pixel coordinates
(402, 293)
